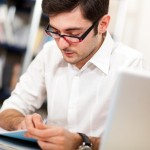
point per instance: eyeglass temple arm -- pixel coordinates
(84, 35)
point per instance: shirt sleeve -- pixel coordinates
(30, 92)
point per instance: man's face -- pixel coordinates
(73, 23)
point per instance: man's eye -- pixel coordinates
(73, 34)
(53, 30)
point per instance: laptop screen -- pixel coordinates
(128, 122)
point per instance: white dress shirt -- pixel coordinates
(76, 99)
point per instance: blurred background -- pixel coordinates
(22, 35)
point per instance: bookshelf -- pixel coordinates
(19, 27)
(13, 48)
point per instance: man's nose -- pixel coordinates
(62, 43)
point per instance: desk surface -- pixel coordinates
(15, 144)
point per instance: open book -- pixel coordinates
(18, 134)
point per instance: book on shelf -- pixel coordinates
(14, 26)
(3, 12)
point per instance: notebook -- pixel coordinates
(128, 122)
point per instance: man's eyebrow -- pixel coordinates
(68, 29)
(74, 28)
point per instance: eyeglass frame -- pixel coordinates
(81, 38)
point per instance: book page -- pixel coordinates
(18, 134)
(3, 130)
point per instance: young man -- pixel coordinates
(75, 73)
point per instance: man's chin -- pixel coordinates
(70, 61)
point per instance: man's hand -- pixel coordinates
(48, 137)
(54, 138)
(31, 121)
(12, 119)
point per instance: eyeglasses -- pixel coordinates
(69, 38)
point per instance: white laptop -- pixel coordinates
(128, 122)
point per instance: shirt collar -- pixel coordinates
(101, 59)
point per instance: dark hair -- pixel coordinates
(91, 9)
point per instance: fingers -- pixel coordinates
(47, 133)
(38, 122)
(38, 133)
(53, 138)
(34, 121)
(31, 121)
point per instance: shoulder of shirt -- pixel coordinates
(50, 55)
(125, 50)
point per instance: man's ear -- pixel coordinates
(103, 24)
